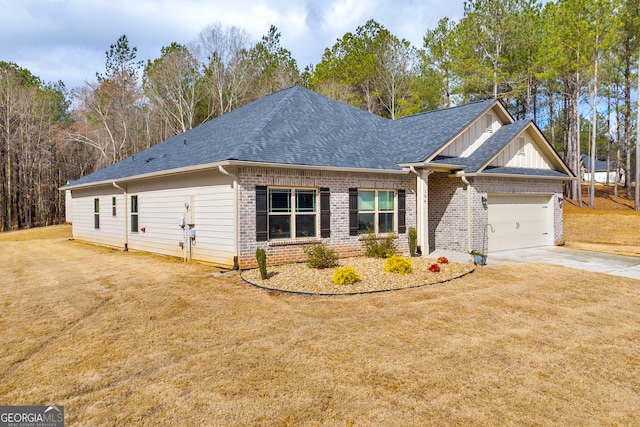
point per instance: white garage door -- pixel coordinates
(519, 221)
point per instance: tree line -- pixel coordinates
(571, 66)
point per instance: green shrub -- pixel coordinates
(379, 248)
(346, 275)
(320, 256)
(398, 264)
(413, 241)
(261, 256)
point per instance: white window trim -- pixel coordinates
(292, 214)
(376, 211)
(136, 213)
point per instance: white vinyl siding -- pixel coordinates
(465, 144)
(521, 153)
(111, 231)
(160, 203)
(214, 217)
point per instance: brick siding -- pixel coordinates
(280, 252)
(448, 224)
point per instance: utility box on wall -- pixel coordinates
(189, 210)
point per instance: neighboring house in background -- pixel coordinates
(600, 173)
(295, 168)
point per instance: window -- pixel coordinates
(113, 206)
(134, 214)
(291, 213)
(96, 214)
(376, 211)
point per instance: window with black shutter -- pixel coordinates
(402, 212)
(353, 212)
(325, 213)
(262, 230)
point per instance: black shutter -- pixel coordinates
(402, 212)
(353, 212)
(325, 213)
(262, 232)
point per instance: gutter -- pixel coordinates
(506, 175)
(238, 163)
(126, 216)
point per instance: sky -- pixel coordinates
(67, 39)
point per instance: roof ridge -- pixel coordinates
(267, 119)
(439, 110)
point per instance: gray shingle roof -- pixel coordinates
(420, 135)
(600, 165)
(296, 126)
(524, 171)
(493, 145)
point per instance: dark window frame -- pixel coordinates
(134, 213)
(96, 214)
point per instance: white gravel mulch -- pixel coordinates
(302, 279)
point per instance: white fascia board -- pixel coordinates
(240, 163)
(151, 175)
(232, 163)
(507, 175)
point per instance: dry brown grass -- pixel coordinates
(132, 339)
(611, 226)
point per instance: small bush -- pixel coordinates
(379, 248)
(320, 256)
(398, 264)
(413, 241)
(435, 268)
(261, 256)
(346, 275)
(443, 260)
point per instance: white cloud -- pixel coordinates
(67, 39)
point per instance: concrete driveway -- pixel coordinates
(616, 265)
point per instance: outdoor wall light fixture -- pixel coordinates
(484, 202)
(560, 201)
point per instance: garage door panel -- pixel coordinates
(518, 221)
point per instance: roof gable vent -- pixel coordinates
(488, 123)
(521, 144)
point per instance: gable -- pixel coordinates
(473, 136)
(522, 152)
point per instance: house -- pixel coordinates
(295, 168)
(601, 170)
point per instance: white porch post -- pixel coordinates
(422, 210)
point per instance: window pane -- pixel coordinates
(366, 200)
(134, 223)
(279, 200)
(385, 222)
(385, 200)
(366, 223)
(305, 200)
(96, 206)
(134, 204)
(279, 226)
(305, 225)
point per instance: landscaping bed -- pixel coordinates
(300, 278)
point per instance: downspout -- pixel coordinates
(236, 220)
(466, 182)
(126, 216)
